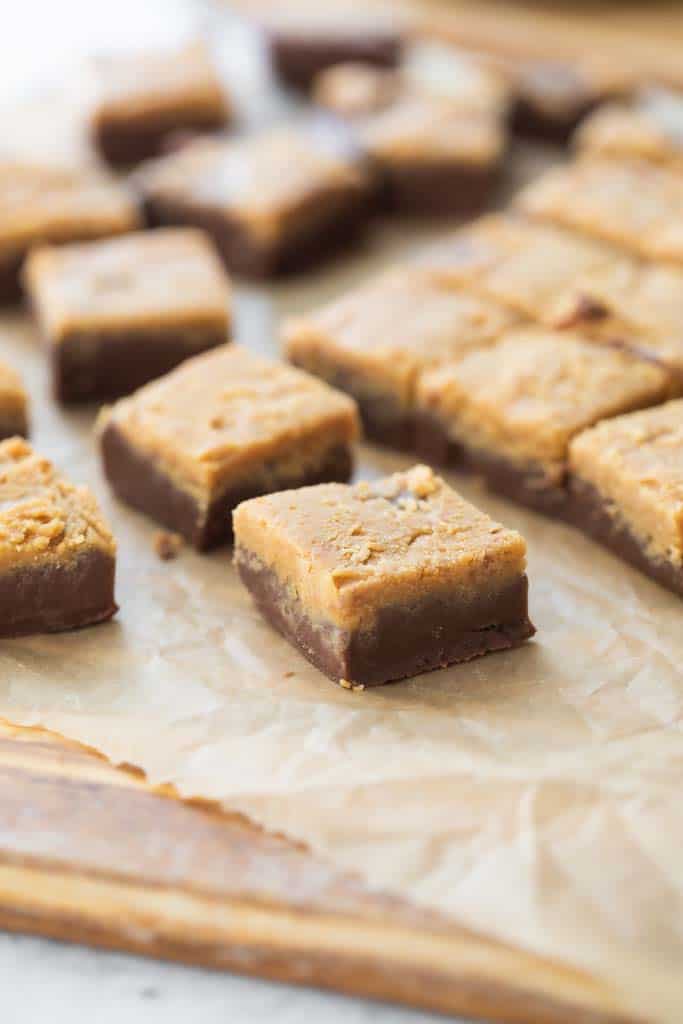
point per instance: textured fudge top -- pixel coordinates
(43, 516)
(396, 326)
(350, 550)
(520, 262)
(631, 203)
(262, 179)
(41, 204)
(635, 463)
(220, 415)
(527, 395)
(170, 277)
(158, 83)
(12, 393)
(617, 131)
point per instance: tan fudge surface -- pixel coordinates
(165, 278)
(635, 463)
(630, 203)
(526, 396)
(230, 416)
(152, 84)
(617, 131)
(42, 516)
(264, 180)
(348, 551)
(13, 397)
(41, 204)
(516, 261)
(388, 331)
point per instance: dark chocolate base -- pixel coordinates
(296, 60)
(53, 597)
(102, 366)
(126, 144)
(532, 122)
(437, 189)
(590, 512)
(136, 479)
(406, 640)
(13, 426)
(10, 280)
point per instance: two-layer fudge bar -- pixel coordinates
(273, 202)
(223, 427)
(627, 489)
(524, 264)
(631, 203)
(434, 152)
(647, 131)
(13, 404)
(115, 314)
(57, 554)
(141, 99)
(510, 410)
(376, 341)
(47, 204)
(383, 580)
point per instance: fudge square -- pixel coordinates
(224, 426)
(117, 313)
(47, 204)
(374, 343)
(509, 411)
(274, 201)
(13, 403)
(631, 203)
(143, 98)
(626, 478)
(57, 554)
(383, 580)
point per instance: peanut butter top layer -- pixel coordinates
(263, 179)
(348, 551)
(165, 278)
(635, 463)
(42, 516)
(222, 416)
(631, 203)
(520, 262)
(41, 204)
(527, 395)
(394, 327)
(646, 133)
(12, 391)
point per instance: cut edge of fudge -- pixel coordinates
(14, 418)
(363, 624)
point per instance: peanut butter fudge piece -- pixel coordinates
(57, 554)
(383, 580)
(434, 153)
(272, 202)
(631, 203)
(627, 489)
(117, 313)
(510, 410)
(519, 262)
(13, 403)
(48, 204)
(647, 131)
(143, 98)
(223, 427)
(375, 342)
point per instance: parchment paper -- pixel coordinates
(534, 794)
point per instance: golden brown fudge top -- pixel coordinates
(351, 550)
(263, 179)
(42, 516)
(222, 416)
(183, 80)
(527, 395)
(12, 392)
(520, 262)
(166, 278)
(645, 132)
(631, 203)
(45, 204)
(635, 463)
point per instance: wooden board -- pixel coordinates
(92, 854)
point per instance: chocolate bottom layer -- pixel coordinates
(437, 189)
(12, 425)
(590, 511)
(532, 121)
(10, 280)
(298, 59)
(57, 596)
(101, 366)
(126, 144)
(137, 480)
(433, 632)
